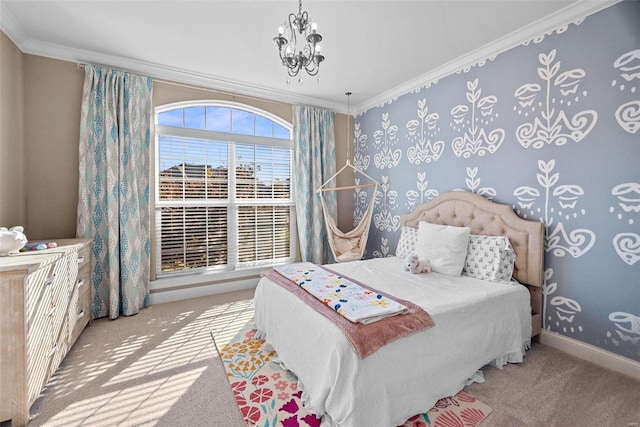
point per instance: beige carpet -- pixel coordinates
(160, 368)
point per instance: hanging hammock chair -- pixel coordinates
(348, 246)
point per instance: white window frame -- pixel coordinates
(233, 203)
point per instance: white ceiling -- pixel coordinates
(375, 49)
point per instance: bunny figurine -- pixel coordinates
(12, 240)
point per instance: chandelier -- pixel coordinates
(308, 55)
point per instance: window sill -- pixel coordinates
(202, 278)
(194, 285)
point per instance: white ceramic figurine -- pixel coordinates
(12, 240)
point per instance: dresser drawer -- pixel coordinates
(80, 310)
(84, 256)
(66, 270)
(41, 346)
(38, 298)
(80, 313)
(39, 360)
(84, 270)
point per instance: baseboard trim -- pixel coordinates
(591, 354)
(159, 296)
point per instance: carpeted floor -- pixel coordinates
(160, 368)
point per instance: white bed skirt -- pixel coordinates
(476, 323)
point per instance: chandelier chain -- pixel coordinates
(348, 121)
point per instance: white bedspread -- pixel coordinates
(476, 323)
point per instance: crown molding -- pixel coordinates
(522, 35)
(173, 74)
(10, 26)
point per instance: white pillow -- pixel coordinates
(407, 242)
(490, 258)
(444, 246)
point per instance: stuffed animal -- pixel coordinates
(11, 241)
(415, 265)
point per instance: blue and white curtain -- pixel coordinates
(113, 198)
(314, 158)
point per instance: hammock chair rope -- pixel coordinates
(348, 246)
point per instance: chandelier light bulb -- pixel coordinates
(280, 30)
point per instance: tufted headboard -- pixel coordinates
(464, 209)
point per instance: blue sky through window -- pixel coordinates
(218, 119)
(223, 119)
(269, 163)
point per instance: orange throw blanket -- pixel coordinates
(365, 339)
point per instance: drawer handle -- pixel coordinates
(50, 279)
(80, 284)
(52, 351)
(50, 313)
(81, 314)
(80, 259)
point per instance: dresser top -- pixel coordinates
(32, 260)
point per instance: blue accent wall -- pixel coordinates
(551, 127)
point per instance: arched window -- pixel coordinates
(223, 193)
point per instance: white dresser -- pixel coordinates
(45, 303)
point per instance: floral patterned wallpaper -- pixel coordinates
(551, 127)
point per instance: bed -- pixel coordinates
(477, 322)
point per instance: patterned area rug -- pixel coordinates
(267, 395)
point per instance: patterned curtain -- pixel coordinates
(113, 198)
(314, 157)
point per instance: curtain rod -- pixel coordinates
(195, 87)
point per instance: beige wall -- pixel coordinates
(40, 122)
(345, 197)
(53, 94)
(12, 143)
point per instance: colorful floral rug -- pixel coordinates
(267, 395)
